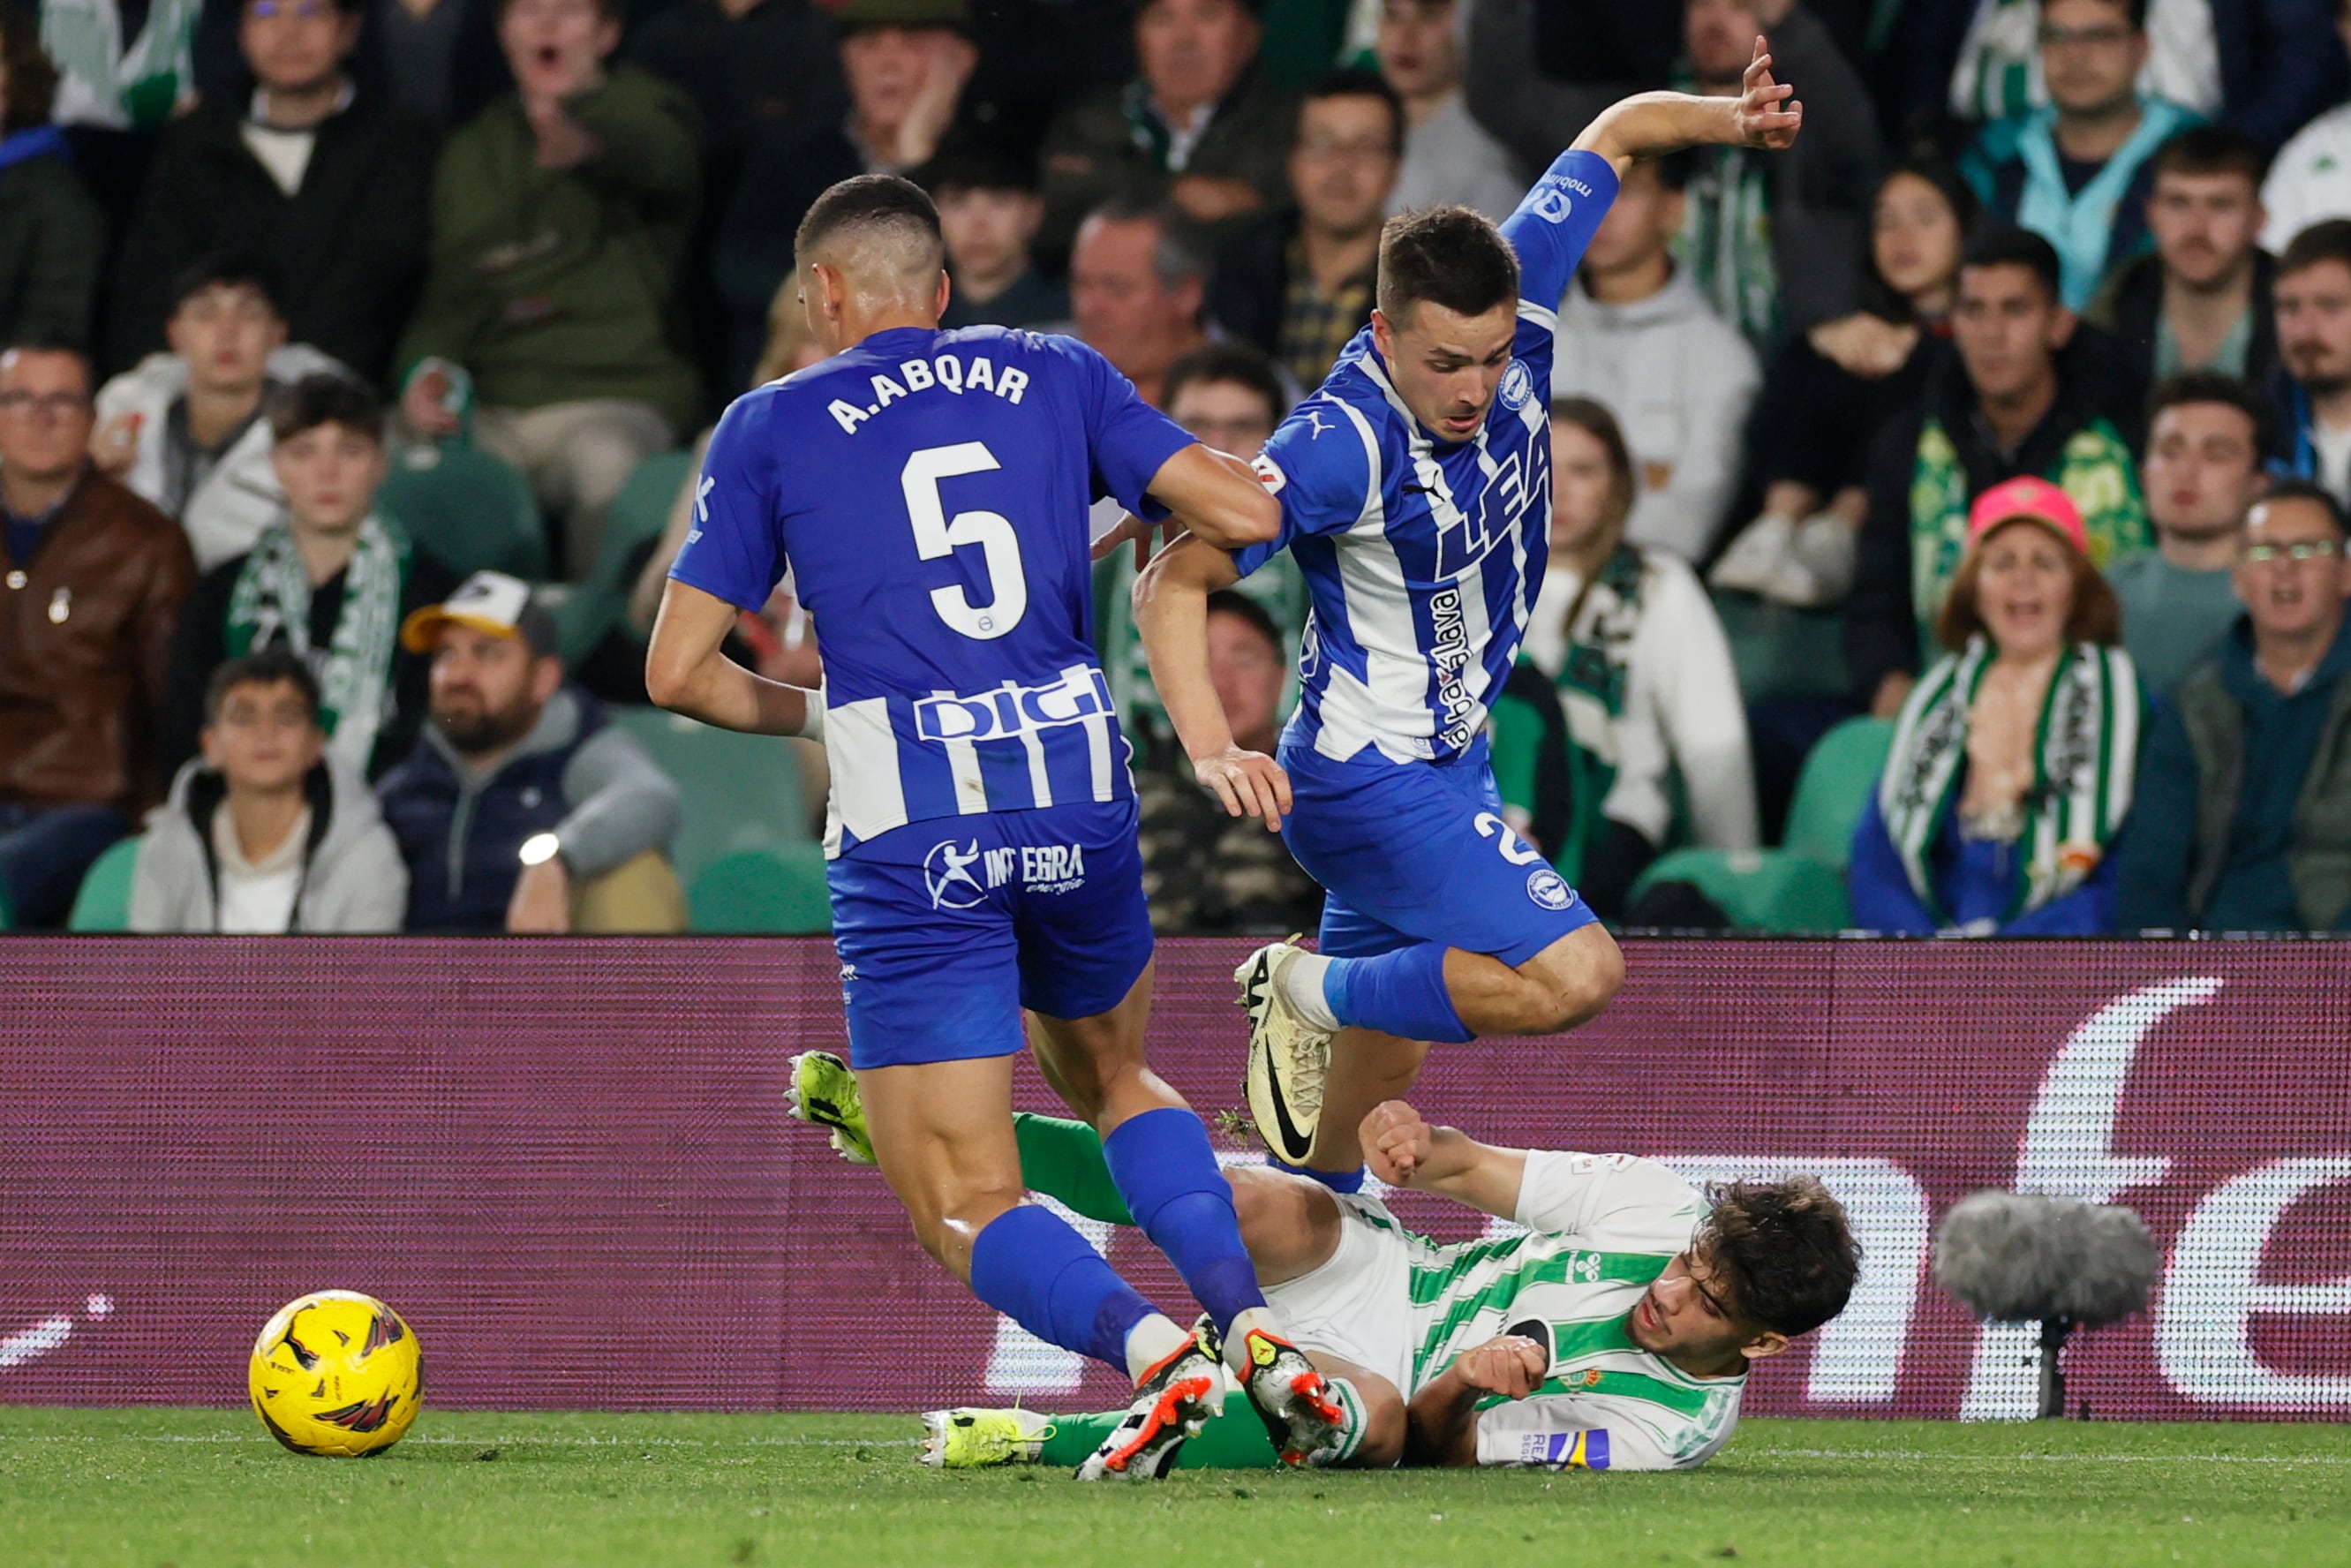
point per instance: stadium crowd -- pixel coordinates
(1957, 500)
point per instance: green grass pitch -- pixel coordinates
(198, 1488)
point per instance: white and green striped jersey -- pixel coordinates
(1599, 1228)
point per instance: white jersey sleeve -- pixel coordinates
(1614, 1203)
(1601, 1432)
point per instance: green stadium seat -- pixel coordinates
(104, 901)
(1780, 652)
(1800, 888)
(1839, 774)
(584, 612)
(467, 509)
(741, 792)
(775, 891)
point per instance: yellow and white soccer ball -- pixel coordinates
(336, 1373)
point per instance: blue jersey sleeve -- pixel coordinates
(1556, 221)
(735, 547)
(1130, 440)
(1319, 465)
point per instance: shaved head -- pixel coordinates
(880, 233)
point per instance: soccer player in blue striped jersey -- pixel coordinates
(1416, 494)
(929, 492)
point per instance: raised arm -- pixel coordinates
(1651, 124)
(1403, 1150)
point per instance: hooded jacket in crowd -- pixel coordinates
(348, 874)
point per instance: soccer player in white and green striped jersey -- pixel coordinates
(1613, 1330)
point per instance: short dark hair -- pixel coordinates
(882, 202)
(2004, 245)
(1351, 83)
(2214, 386)
(32, 79)
(1784, 1251)
(1180, 253)
(1242, 363)
(1673, 171)
(1450, 256)
(326, 397)
(2307, 490)
(226, 269)
(48, 340)
(266, 667)
(974, 166)
(2328, 241)
(2212, 149)
(1231, 602)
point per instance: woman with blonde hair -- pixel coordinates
(2015, 757)
(1624, 681)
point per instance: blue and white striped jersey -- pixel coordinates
(1423, 557)
(929, 493)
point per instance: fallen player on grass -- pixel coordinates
(1615, 1333)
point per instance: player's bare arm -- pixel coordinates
(1403, 1150)
(1208, 493)
(687, 672)
(1649, 124)
(1171, 611)
(1441, 1422)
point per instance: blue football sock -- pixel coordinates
(1400, 993)
(1337, 1181)
(1168, 1176)
(1029, 1264)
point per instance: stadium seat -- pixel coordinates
(775, 891)
(468, 509)
(1780, 652)
(1838, 775)
(104, 901)
(1799, 888)
(585, 611)
(741, 792)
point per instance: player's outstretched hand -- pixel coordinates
(1249, 783)
(1769, 114)
(1396, 1142)
(1509, 1365)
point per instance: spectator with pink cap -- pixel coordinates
(2013, 760)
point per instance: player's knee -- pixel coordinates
(1571, 984)
(1383, 1426)
(948, 1225)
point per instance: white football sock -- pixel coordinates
(1151, 1342)
(1301, 988)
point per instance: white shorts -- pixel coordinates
(1358, 1304)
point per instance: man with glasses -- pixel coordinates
(2079, 172)
(2242, 817)
(91, 578)
(1299, 284)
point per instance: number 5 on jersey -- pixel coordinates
(936, 536)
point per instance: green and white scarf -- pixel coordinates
(2094, 469)
(110, 80)
(2086, 750)
(270, 604)
(1726, 242)
(1600, 626)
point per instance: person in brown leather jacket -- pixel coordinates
(91, 578)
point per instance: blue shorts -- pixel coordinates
(1419, 852)
(948, 927)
